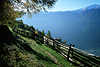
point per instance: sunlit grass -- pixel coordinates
(58, 60)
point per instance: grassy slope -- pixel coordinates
(48, 57)
(19, 51)
(25, 52)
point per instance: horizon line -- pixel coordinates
(70, 9)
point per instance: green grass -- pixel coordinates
(54, 58)
(25, 52)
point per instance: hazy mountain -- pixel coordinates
(94, 6)
(80, 27)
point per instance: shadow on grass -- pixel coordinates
(3, 54)
(39, 56)
(3, 63)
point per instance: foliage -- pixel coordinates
(43, 33)
(49, 34)
(7, 12)
(32, 5)
(11, 9)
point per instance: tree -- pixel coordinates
(43, 33)
(7, 12)
(49, 34)
(11, 9)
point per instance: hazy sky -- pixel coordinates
(62, 5)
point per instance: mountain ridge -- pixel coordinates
(93, 6)
(79, 27)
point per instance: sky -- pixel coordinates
(63, 5)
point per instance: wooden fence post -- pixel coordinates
(69, 51)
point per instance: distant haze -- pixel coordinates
(80, 27)
(69, 5)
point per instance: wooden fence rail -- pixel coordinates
(68, 51)
(73, 54)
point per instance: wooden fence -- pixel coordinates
(71, 53)
(76, 56)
